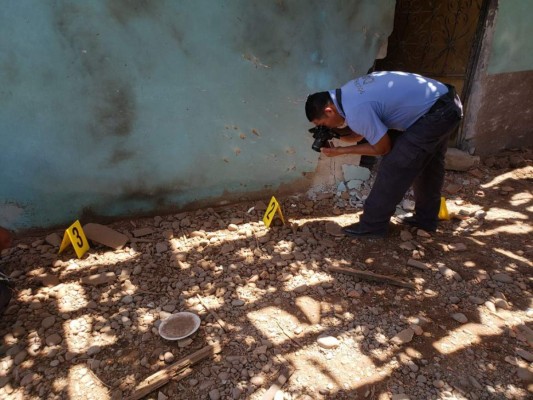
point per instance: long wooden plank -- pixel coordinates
(371, 276)
(173, 371)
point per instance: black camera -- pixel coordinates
(322, 135)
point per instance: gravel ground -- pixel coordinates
(88, 328)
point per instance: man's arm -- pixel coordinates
(382, 147)
(347, 135)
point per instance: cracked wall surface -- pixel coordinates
(120, 107)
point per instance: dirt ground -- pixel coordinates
(463, 332)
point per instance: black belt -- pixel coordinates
(442, 100)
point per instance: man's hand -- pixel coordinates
(382, 147)
(332, 151)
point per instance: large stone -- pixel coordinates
(104, 235)
(458, 160)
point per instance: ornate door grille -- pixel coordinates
(433, 38)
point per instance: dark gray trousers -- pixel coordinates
(417, 159)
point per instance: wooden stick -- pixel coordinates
(178, 370)
(370, 276)
(214, 314)
(284, 375)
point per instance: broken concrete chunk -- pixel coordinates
(142, 232)
(458, 160)
(354, 184)
(99, 279)
(104, 235)
(355, 172)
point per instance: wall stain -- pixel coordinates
(110, 96)
(119, 155)
(125, 10)
(115, 110)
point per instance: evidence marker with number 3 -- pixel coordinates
(272, 209)
(74, 235)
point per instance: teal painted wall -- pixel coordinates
(124, 106)
(512, 47)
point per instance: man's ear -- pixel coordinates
(329, 110)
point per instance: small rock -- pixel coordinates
(237, 303)
(29, 378)
(20, 357)
(91, 351)
(453, 188)
(99, 279)
(526, 355)
(328, 342)
(214, 394)
(405, 235)
(48, 280)
(334, 229)
(449, 273)
(504, 278)
(501, 303)
(458, 160)
(48, 322)
(407, 246)
(490, 305)
(460, 317)
(257, 380)
(53, 239)
(524, 374)
(422, 233)
(404, 336)
(127, 299)
(476, 300)
(457, 246)
(417, 264)
(400, 396)
(439, 384)
(168, 357)
(161, 247)
(142, 232)
(408, 205)
(53, 339)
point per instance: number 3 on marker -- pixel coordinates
(74, 235)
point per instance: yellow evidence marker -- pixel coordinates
(272, 209)
(74, 235)
(443, 211)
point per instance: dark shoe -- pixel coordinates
(355, 230)
(413, 221)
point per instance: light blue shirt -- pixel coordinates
(380, 101)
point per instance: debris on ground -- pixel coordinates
(88, 328)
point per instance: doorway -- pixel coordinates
(437, 39)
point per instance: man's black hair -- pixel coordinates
(315, 105)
